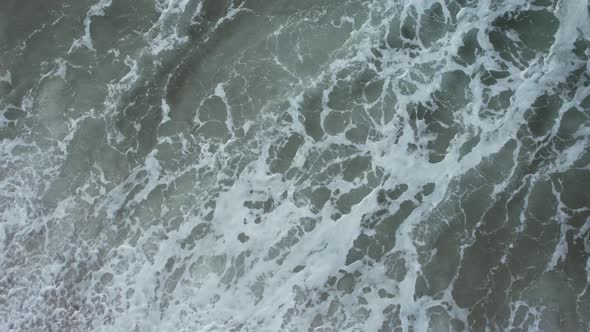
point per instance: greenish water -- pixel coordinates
(257, 165)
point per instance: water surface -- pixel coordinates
(326, 165)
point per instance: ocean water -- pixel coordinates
(294, 165)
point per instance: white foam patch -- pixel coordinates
(6, 77)
(98, 9)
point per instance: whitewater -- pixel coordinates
(295, 165)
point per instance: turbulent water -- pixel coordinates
(294, 165)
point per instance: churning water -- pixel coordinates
(294, 165)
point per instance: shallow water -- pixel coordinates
(257, 165)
